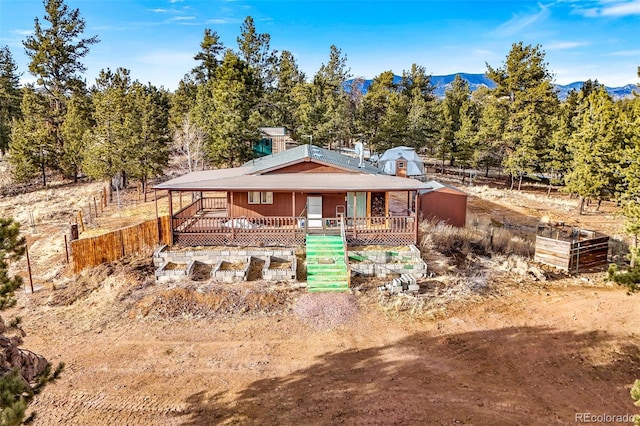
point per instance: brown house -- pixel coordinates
(443, 203)
(280, 198)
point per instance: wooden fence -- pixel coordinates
(141, 238)
(572, 256)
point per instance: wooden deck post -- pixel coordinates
(233, 233)
(170, 196)
(416, 215)
(155, 200)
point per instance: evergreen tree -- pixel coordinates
(466, 134)
(148, 148)
(376, 126)
(525, 83)
(629, 168)
(595, 148)
(209, 57)
(77, 124)
(55, 54)
(324, 104)
(33, 149)
(10, 96)
(493, 112)
(255, 50)
(454, 99)
(422, 116)
(12, 247)
(226, 109)
(283, 104)
(107, 153)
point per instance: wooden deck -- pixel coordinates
(205, 223)
(208, 229)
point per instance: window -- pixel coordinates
(267, 197)
(401, 164)
(256, 197)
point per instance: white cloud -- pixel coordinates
(631, 53)
(622, 9)
(562, 45)
(612, 8)
(519, 22)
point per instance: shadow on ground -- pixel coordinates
(524, 375)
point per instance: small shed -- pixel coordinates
(444, 203)
(401, 161)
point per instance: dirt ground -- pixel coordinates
(525, 352)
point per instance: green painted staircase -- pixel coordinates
(326, 267)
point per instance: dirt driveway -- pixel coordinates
(537, 356)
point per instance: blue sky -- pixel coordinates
(157, 39)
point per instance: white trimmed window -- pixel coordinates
(256, 197)
(267, 197)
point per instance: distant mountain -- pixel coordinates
(443, 82)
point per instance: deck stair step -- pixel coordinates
(326, 267)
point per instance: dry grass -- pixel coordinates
(211, 300)
(450, 240)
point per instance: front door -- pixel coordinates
(314, 211)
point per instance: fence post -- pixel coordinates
(66, 247)
(29, 267)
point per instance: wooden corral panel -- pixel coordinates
(552, 252)
(141, 238)
(572, 256)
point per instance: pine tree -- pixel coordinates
(376, 126)
(10, 97)
(55, 55)
(148, 150)
(493, 112)
(282, 102)
(226, 109)
(324, 104)
(33, 150)
(525, 83)
(12, 247)
(422, 117)
(629, 168)
(595, 148)
(255, 50)
(106, 155)
(454, 99)
(209, 57)
(78, 123)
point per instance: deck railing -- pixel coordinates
(289, 230)
(186, 214)
(214, 203)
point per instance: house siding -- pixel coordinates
(450, 207)
(282, 204)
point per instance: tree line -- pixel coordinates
(119, 129)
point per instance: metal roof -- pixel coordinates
(434, 185)
(309, 153)
(307, 182)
